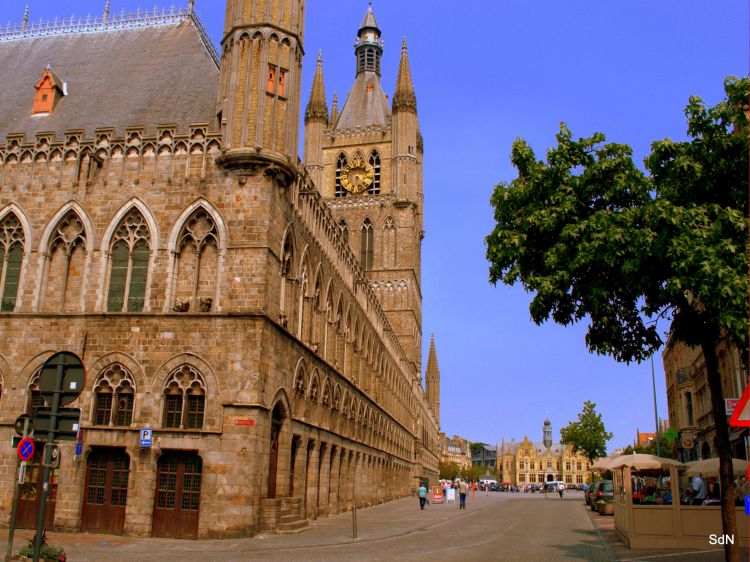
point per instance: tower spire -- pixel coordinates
(317, 109)
(106, 10)
(25, 21)
(404, 98)
(432, 378)
(368, 48)
(334, 110)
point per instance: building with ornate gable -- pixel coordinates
(530, 462)
(260, 314)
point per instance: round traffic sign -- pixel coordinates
(26, 449)
(62, 374)
(21, 422)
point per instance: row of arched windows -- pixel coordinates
(373, 160)
(367, 242)
(130, 250)
(114, 392)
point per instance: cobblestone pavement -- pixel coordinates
(495, 527)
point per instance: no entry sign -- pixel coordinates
(26, 449)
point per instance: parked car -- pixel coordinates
(601, 490)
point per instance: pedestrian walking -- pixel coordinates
(463, 489)
(545, 491)
(560, 491)
(422, 496)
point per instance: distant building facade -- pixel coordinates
(530, 462)
(485, 455)
(689, 398)
(455, 450)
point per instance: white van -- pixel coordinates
(555, 486)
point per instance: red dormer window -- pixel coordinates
(49, 90)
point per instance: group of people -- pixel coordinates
(701, 494)
(461, 487)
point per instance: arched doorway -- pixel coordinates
(550, 478)
(278, 415)
(705, 451)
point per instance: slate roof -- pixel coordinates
(140, 76)
(363, 107)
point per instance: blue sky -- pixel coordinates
(486, 72)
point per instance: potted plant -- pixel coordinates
(605, 506)
(48, 552)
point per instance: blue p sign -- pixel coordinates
(747, 505)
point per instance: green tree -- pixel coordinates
(592, 236)
(476, 447)
(449, 470)
(587, 435)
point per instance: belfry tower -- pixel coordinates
(547, 433)
(259, 89)
(366, 161)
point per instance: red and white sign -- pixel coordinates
(730, 404)
(244, 422)
(741, 415)
(437, 494)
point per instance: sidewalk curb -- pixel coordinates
(602, 538)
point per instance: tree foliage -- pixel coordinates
(449, 470)
(587, 435)
(593, 237)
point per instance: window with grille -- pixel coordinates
(375, 163)
(129, 264)
(185, 399)
(103, 409)
(11, 256)
(368, 245)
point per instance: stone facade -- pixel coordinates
(455, 450)
(198, 272)
(528, 462)
(689, 398)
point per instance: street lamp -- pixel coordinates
(656, 415)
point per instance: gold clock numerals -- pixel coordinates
(357, 176)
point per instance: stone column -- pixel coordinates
(300, 469)
(335, 462)
(323, 477)
(311, 479)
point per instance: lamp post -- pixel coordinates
(656, 415)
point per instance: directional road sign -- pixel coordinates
(26, 449)
(147, 437)
(65, 429)
(741, 415)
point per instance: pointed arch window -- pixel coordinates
(375, 163)
(341, 162)
(114, 397)
(368, 245)
(197, 263)
(184, 399)
(11, 256)
(344, 227)
(129, 264)
(34, 400)
(66, 264)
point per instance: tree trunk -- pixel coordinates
(726, 474)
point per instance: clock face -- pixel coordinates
(357, 176)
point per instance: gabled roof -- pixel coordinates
(156, 72)
(366, 104)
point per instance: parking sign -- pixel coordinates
(147, 435)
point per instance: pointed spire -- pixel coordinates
(334, 110)
(432, 362)
(369, 20)
(404, 98)
(317, 109)
(106, 10)
(191, 6)
(25, 20)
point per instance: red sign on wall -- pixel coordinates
(244, 422)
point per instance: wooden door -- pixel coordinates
(273, 458)
(30, 496)
(177, 499)
(106, 491)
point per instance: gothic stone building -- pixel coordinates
(528, 462)
(260, 314)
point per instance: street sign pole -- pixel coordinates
(47, 461)
(21, 468)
